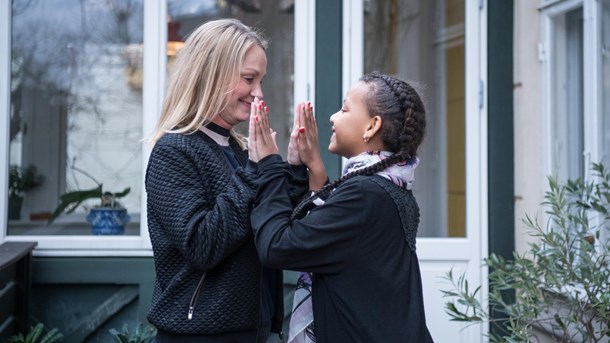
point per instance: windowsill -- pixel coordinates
(73, 225)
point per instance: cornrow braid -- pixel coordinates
(307, 204)
(402, 111)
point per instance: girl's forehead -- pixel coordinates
(357, 92)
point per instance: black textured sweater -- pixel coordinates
(360, 247)
(199, 222)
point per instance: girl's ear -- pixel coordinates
(374, 126)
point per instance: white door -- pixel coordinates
(439, 45)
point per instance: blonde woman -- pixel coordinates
(210, 286)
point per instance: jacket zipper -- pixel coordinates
(195, 297)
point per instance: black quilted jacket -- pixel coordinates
(199, 222)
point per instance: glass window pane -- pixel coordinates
(275, 18)
(76, 114)
(567, 97)
(423, 42)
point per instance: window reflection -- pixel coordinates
(74, 105)
(76, 95)
(423, 42)
(275, 18)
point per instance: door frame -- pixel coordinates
(438, 255)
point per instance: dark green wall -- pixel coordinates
(328, 76)
(84, 297)
(500, 131)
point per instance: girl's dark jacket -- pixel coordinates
(199, 223)
(360, 247)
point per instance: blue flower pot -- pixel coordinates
(107, 221)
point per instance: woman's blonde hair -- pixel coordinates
(204, 75)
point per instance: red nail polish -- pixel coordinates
(266, 109)
(302, 130)
(263, 103)
(256, 119)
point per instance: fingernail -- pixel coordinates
(266, 109)
(302, 130)
(263, 103)
(256, 119)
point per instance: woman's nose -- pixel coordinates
(257, 91)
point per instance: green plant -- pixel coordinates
(562, 284)
(141, 334)
(35, 336)
(23, 179)
(69, 201)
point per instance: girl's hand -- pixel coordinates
(309, 148)
(262, 137)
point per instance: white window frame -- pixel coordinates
(593, 148)
(438, 254)
(592, 84)
(154, 69)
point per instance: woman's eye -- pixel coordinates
(249, 79)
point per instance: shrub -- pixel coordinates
(562, 284)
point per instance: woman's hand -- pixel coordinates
(261, 140)
(292, 155)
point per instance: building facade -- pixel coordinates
(514, 90)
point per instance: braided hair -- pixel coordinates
(402, 129)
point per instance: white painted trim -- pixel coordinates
(304, 51)
(5, 93)
(547, 70)
(476, 148)
(591, 78)
(353, 43)
(153, 91)
(440, 82)
(353, 47)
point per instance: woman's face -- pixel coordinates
(350, 123)
(249, 85)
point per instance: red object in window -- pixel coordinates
(172, 31)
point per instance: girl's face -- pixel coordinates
(350, 123)
(249, 85)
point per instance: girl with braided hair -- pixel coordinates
(355, 237)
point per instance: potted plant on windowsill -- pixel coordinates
(20, 181)
(107, 218)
